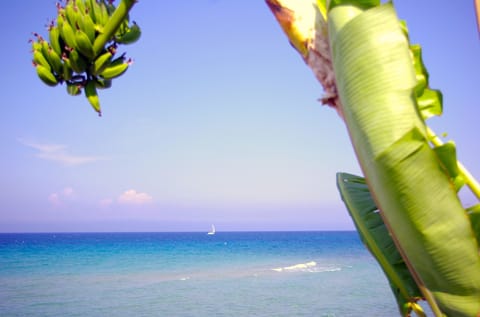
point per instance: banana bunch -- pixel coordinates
(69, 56)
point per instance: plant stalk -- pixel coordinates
(112, 25)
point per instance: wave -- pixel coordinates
(311, 267)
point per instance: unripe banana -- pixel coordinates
(45, 48)
(54, 37)
(46, 75)
(83, 44)
(132, 35)
(60, 20)
(90, 9)
(115, 70)
(52, 57)
(74, 89)
(71, 13)
(55, 61)
(104, 13)
(97, 12)
(40, 59)
(80, 6)
(101, 62)
(111, 72)
(36, 45)
(67, 69)
(89, 27)
(68, 34)
(78, 64)
(92, 96)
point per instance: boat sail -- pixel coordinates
(212, 231)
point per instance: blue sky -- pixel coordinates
(215, 122)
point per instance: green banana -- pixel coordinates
(80, 4)
(46, 75)
(104, 16)
(54, 37)
(55, 61)
(71, 13)
(45, 48)
(67, 68)
(40, 59)
(107, 11)
(101, 62)
(36, 45)
(130, 36)
(68, 34)
(84, 45)
(92, 96)
(74, 89)
(90, 9)
(77, 62)
(89, 27)
(99, 18)
(115, 69)
(60, 22)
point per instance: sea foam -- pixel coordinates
(307, 267)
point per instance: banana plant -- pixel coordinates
(407, 208)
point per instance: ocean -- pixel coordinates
(191, 274)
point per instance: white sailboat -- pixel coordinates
(212, 231)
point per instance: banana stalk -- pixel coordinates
(114, 22)
(358, 50)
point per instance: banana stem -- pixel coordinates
(112, 25)
(470, 181)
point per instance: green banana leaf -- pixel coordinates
(375, 235)
(376, 83)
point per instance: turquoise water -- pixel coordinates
(191, 274)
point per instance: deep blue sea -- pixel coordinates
(191, 274)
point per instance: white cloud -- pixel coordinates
(58, 153)
(58, 198)
(131, 196)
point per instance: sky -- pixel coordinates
(216, 121)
